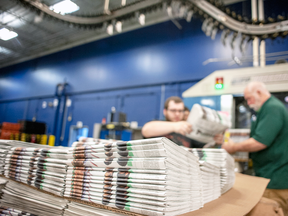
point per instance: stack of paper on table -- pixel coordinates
(151, 176)
(222, 159)
(4, 148)
(211, 184)
(41, 168)
(6, 145)
(21, 197)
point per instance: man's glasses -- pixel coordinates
(175, 111)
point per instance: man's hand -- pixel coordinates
(229, 146)
(182, 127)
(249, 145)
(218, 138)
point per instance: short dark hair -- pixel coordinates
(173, 98)
(186, 109)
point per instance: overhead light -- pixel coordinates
(110, 29)
(6, 34)
(118, 26)
(142, 19)
(64, 7)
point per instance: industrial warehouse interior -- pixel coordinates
(144, 107)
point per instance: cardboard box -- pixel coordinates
(266, 207)
(240, 200)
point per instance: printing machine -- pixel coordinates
(223, 90)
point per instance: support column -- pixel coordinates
(262, 43)
(256, 40)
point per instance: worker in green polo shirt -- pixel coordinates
(268, 142)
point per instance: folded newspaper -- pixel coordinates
(78, 209)
(43, 168)
(11, 212)
(151, 176)
(4, 148)
(220, 158)
(25, 199)
(207, 123)
(210, 175)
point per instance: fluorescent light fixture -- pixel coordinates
(118, 26)
(142, 19)
(6, 34)
(64, 7)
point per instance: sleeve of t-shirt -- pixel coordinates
(269, 126)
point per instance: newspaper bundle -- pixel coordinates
(210, 175)
(32, 202)
(13, 212)
(4, 148)
(41, 168)
(220, 158)
(151, 176)
(6, 145)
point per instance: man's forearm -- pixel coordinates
(157, 128)
(249, 145)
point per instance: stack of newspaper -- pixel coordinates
(78, 209)
(10, 211)
(222, 159)
(151, 176)
(20, 197)
(210, 175)
(41, 168)
(6, 145)
(4, 148)
(2, 185)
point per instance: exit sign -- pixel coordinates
(219, 83)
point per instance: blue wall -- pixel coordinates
(126, 71)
